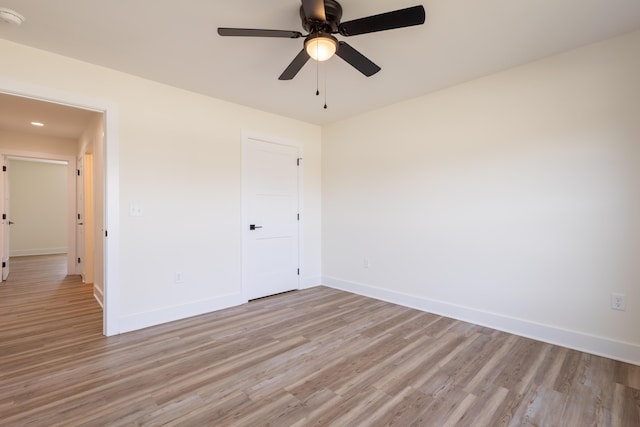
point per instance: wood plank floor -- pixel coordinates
(307, 358)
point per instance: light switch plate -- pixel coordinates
(135, 209)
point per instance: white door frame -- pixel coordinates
(80, 216)
(246, 136)
(71, 194)
(5, 189)
(111, 312)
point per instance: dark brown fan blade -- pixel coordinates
(314, 9)
(356, 59)
(385, 21)
(295, 66)
(252, 32)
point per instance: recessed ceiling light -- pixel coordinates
(37, 124)
(10, 16)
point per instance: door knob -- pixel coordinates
(11, 222)
(253, 226)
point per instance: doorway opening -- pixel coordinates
(92, 147)
(38, 203)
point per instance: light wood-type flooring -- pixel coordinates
(307, 358)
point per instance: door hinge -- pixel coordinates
(78, 172)
(4, 264)
(298, 217)
(4, 216)
(298, 272)
(79, 260)
(78, 216)
(4, 168)
(298, 161)
(106, 234)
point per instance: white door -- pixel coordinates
(6, 222)
(270, 253)
(80, 219)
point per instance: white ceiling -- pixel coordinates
(176, 43)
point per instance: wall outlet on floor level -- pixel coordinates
(618, 302)
(178, 278)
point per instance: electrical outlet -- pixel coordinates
(618, 302)
(178, 278)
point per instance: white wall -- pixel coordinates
(38, 207)
(511, 201)
(179, 158)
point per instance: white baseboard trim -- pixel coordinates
(98, 295)
(151, 318)
(39, 251)
(600, 346)
(311, 282)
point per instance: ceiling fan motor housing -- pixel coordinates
(333, 13)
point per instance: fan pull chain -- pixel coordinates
(326, 71)
(317, 71)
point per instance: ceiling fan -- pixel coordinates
(321, 18)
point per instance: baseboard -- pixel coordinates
(39, 251)
(600, 346)
(169, 314)
(310, 282)
(98, 295)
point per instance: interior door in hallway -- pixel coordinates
(270, 218)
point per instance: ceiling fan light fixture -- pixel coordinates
(321, 46)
